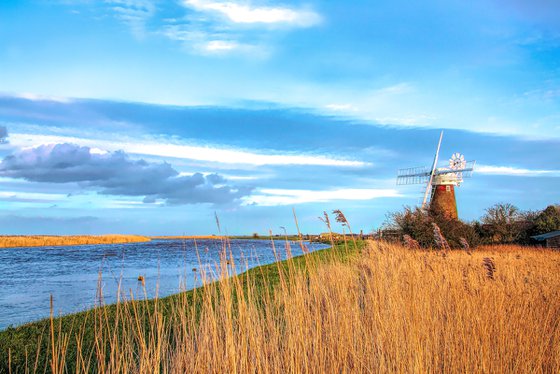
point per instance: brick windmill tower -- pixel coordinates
(440, 182)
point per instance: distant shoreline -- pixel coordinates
(18, 241)
(21, 241)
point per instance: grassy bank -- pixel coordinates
(380, 309)
(51, 240)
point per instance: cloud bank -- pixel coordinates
(114, 173)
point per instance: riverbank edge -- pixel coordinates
(17, 342)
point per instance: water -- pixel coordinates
(30, 275)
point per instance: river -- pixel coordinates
(74, 274)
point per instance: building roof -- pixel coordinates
(548, 235)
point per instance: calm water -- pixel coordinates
(28, 276)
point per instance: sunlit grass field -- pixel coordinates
(52, 240)
(378, 308)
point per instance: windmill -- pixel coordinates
(440, 182)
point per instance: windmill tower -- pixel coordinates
(440, 182)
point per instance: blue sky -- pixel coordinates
(140, 116)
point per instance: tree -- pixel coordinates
(501, 214)
(500, 223)
(548, 220)
(526, 225)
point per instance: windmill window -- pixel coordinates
(448, 188)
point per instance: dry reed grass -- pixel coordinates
(387, 309)
(52, 240)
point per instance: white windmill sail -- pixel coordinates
(432, 172)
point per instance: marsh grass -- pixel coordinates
(382, 308)
(52, 240)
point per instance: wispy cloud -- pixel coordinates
(546, 93)
(214, 27)
(274, 197)
(205, 41)
(515, 171)
(134, 13)
(38, 97)
(209, 153)
(396, 89)
(247, 14)
(225, 27)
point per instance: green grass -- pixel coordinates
(19, 345)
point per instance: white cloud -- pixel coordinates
(212, 153)
(340, 107)
(97, 151)
(514, 171)
(246, 14)
(411, 120)
(39, 97)
(127, 204)
(242, 177)
(274, 197)
(221, 46)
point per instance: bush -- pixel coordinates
(419, 225)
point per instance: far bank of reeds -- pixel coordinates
(52, 240)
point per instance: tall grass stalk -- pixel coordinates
(303, 247)
(341, 218)
(326, 220)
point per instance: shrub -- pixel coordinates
(419, 225)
